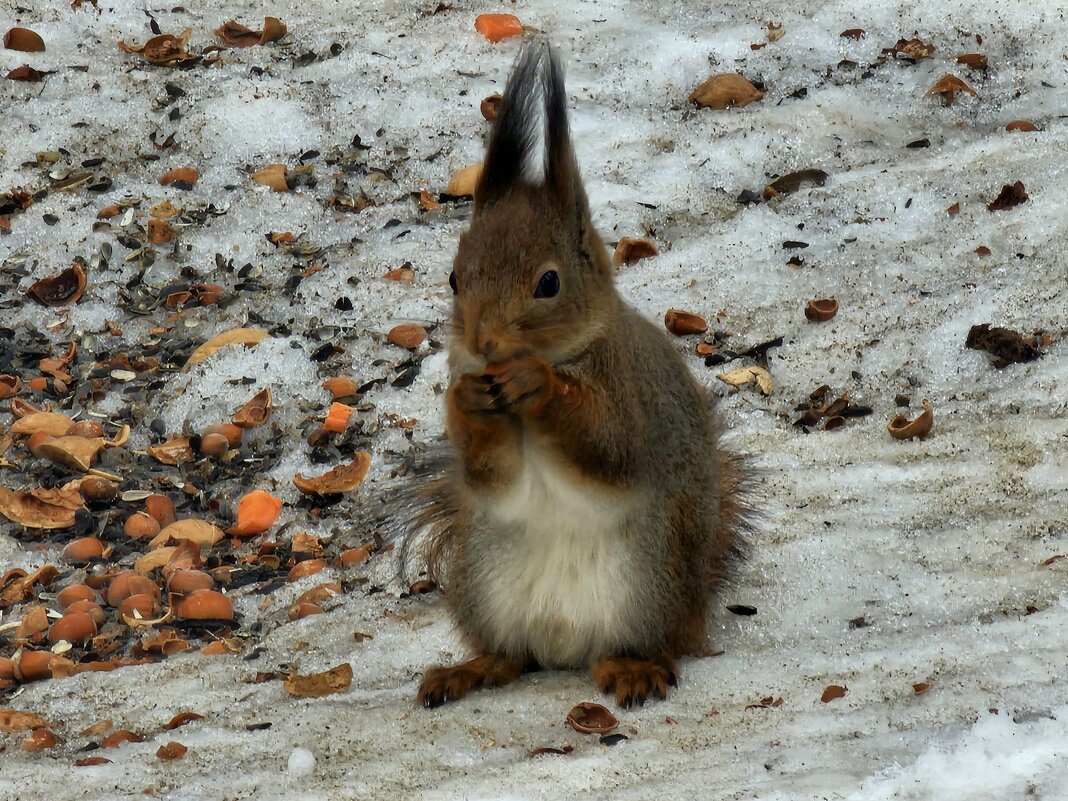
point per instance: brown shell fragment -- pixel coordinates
(10, 386)
(256, 412)
(201, 532)
(235, 336)
(912, 48)
(32, 512)
(24, 39)
(274, 176)
(791, 182)
(948, 87)
(343, 478)
(683, 323)
(235, 34)
(724, 91)
(309, 567)
(316, 685)
(1021, 125)
(171, 751)
(181, 719)
(821, 310)
(165, 49)
(490, 106)
(903, 428)
(591, 718)
(14, 720)
(973, 61)
(38, 740)
(1011, 195)
(340, 387)
(61, 289)
(632, 249)
(74, 453)
(182, 177)
(832, 692)
(174, 451)
(26, 73)
(160, 232)
(53, 423)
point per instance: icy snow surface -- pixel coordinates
(937, 544)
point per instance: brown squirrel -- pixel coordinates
(588, 513)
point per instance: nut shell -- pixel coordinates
(309, 567)
(214, 445)
(821, 310)
(24, 39)
(145, 606)
(85, 428)
(98, 489)
(204, 605)
(83, 549)
(490, 106)
(91, 608)
(591, 718)
(185, 582)
(34, 665)
(903, 428)
(77, 627)
(407, 335)
(682, 323)
(126, 584)
(73, 594)
(161, 509)
(141, 526)
(38, 740)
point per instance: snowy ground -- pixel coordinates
(937, 544)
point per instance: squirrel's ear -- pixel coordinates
(563, 183)
(515, 133)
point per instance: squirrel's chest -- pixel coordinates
(557, 589)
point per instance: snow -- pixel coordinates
(937, 544)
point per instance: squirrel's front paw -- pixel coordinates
(521, 385)
(472, 394)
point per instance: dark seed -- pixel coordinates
(613, 739)
(742, 609)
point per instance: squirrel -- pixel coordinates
(586, 514)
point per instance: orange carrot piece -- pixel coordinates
(256, 512)
(496, 27)
(337, 419)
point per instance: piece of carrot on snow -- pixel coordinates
(496, 27)
(256, 512)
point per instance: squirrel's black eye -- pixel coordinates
(548, 285)
(452, 281)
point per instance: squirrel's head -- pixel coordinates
(531, 275)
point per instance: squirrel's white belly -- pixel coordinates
(559, 589)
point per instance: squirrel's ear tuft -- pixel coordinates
(517, 130)
(562, 179)
(531, 142)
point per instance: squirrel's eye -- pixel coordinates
(548, 285)
(452, 281)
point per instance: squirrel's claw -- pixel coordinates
(444, 684)
(634, 680)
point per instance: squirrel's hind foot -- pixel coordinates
(634, 680)
(443, 684)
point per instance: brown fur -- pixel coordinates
(577, 398)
